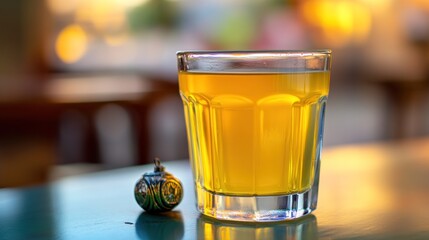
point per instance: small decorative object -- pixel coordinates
(158, 191)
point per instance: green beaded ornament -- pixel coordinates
(158, 191)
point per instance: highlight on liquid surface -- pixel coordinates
(254, 134)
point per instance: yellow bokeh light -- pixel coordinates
(71, 43)
(70, 6)
(339, 22)
(345, 17)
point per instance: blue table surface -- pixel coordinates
(371, 191)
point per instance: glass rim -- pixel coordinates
(256, 53)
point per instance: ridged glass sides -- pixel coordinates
(258, 208)
(254, 142)
(255, 128)
(260, 189)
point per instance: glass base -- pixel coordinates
(258, 208)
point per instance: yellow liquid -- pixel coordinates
(254, 134)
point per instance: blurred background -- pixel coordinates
(87, 85)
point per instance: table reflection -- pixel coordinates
(374, 189)
(167, 225)
(304, 228)
(16, 223)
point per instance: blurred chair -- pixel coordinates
(108, 118)
(397, 60)
(97, 119)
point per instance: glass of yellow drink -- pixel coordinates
(255, 126)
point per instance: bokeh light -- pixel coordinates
(339, 22)
(71, 44)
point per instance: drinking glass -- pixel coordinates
(254, 123)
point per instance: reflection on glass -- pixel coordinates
(303, 228)
(167, 225)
